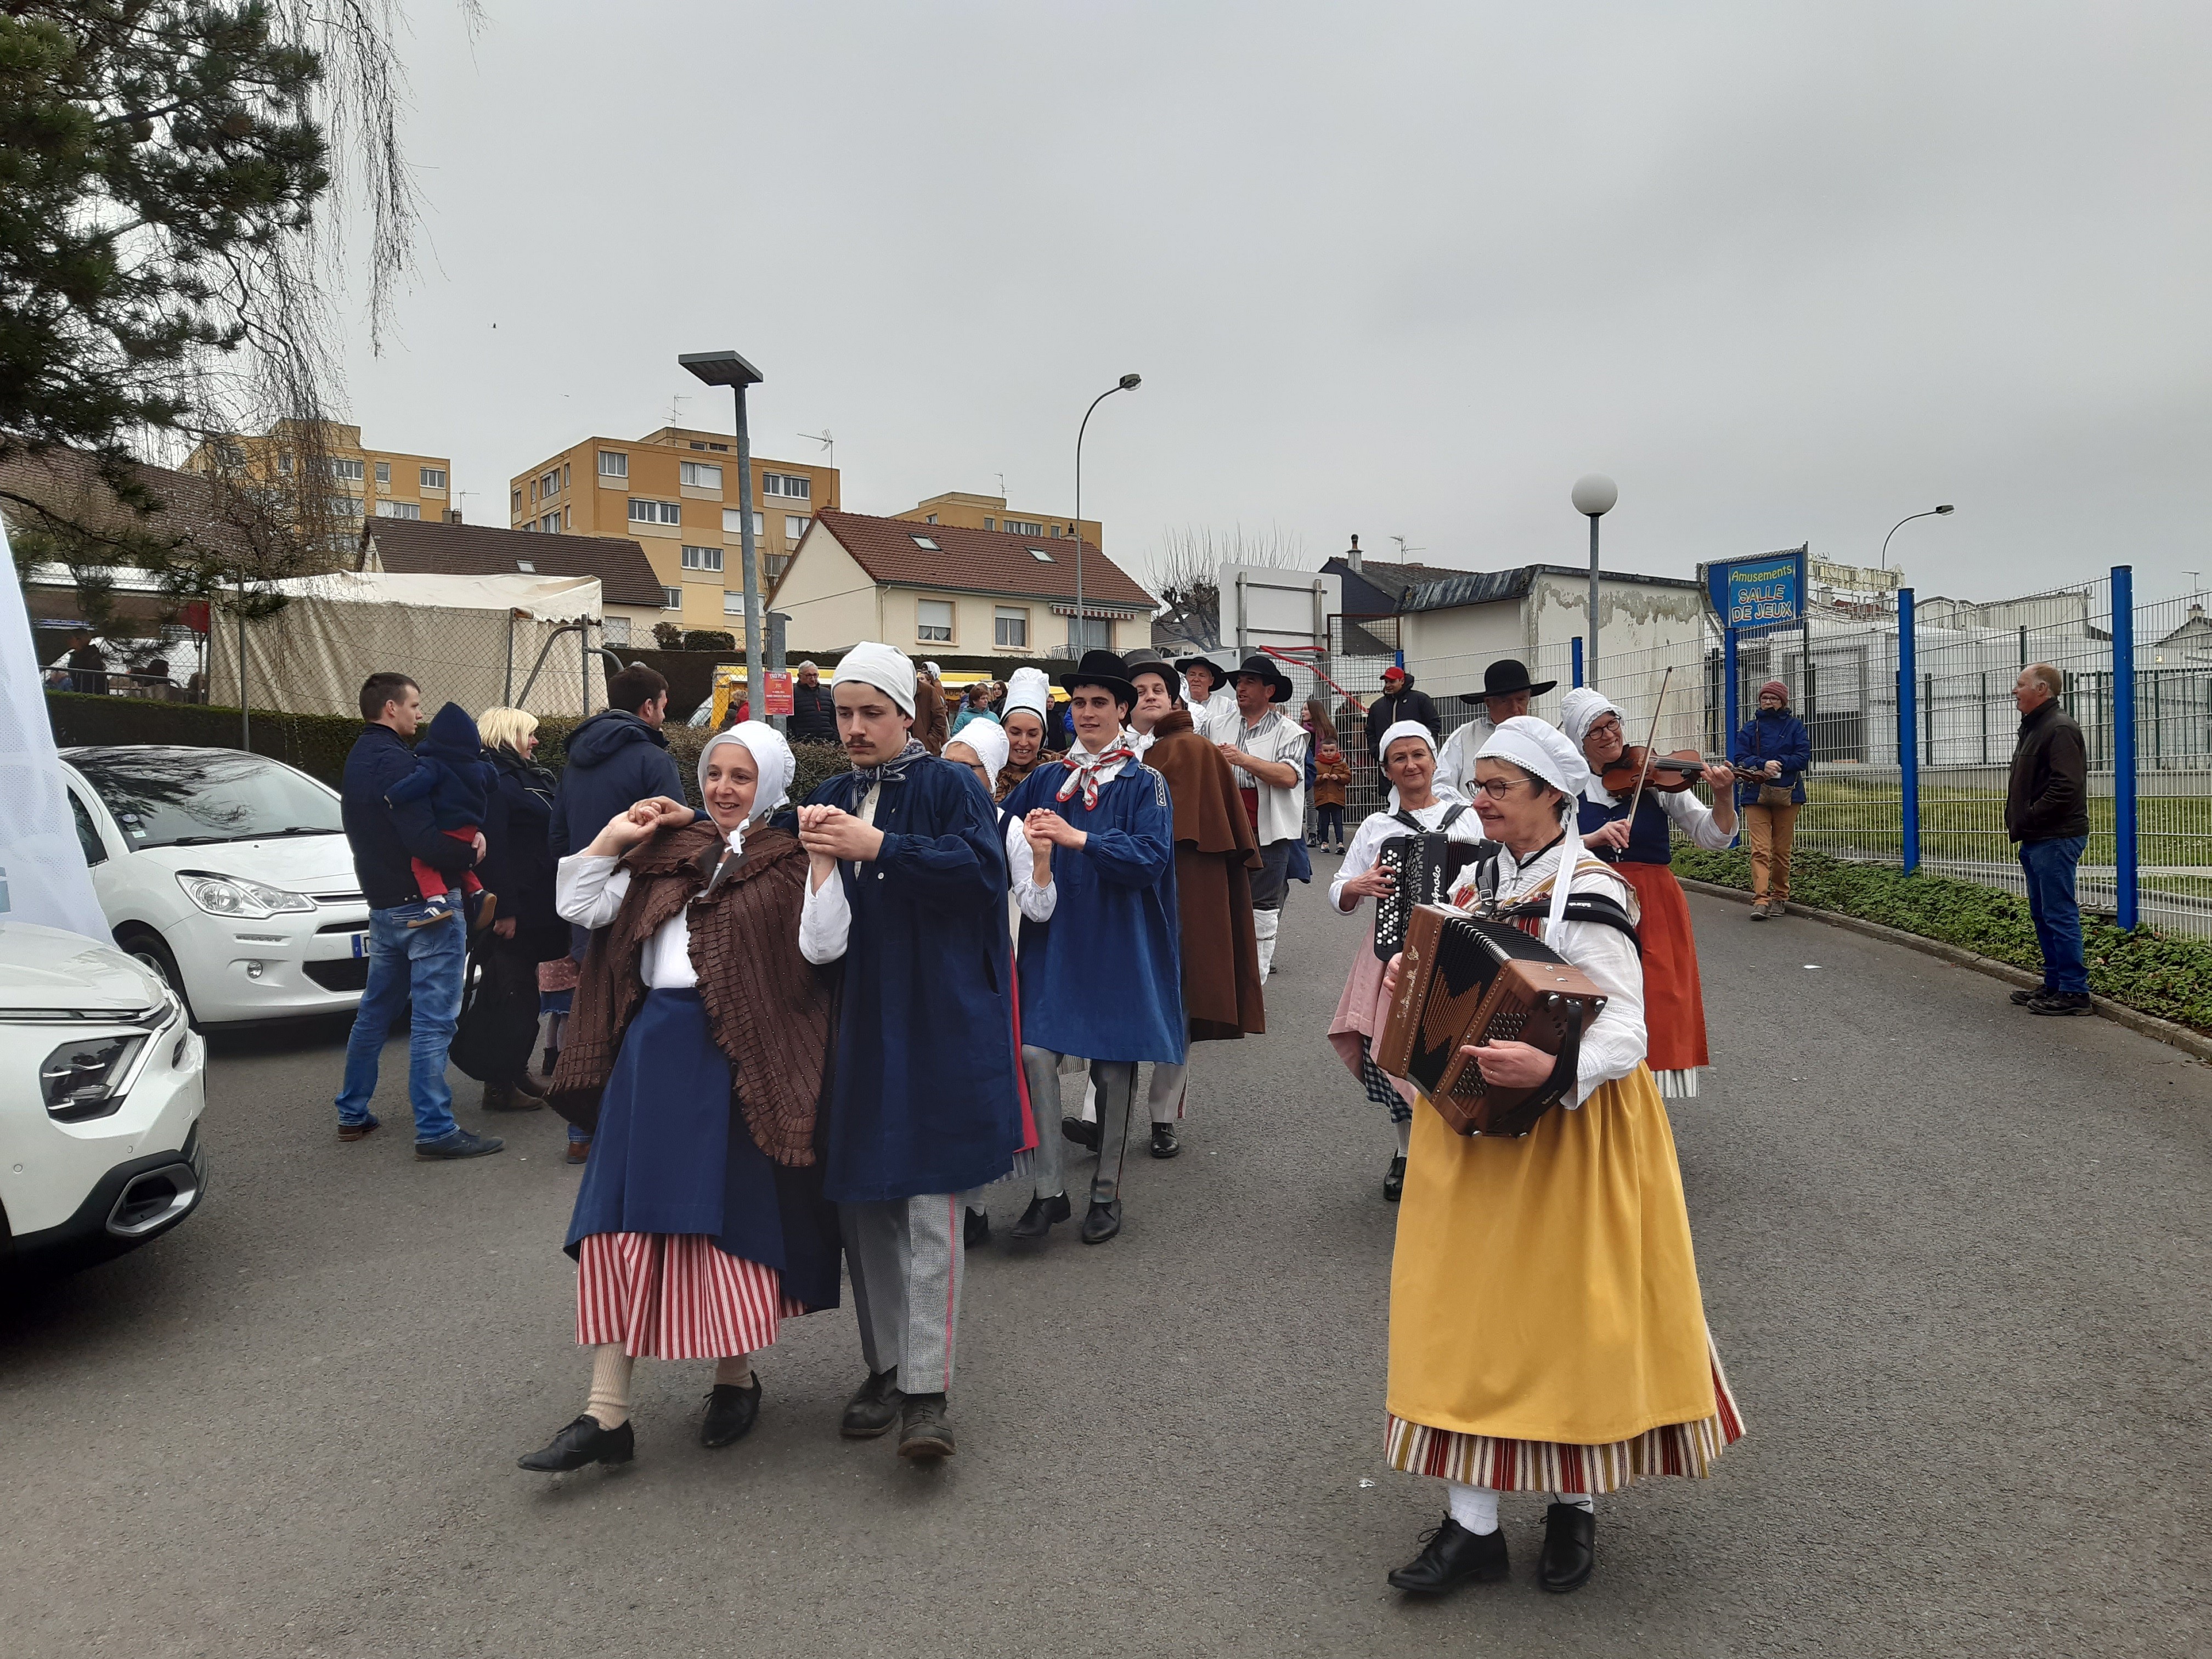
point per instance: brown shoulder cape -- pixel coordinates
(1214, 848)
(1208, 813)
(769, 1009)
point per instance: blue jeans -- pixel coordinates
(423, 965)
(2049, 867)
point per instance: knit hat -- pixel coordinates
(890, 671)
(1779, 691)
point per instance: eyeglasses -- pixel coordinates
(1496, 788)
(1606, 727)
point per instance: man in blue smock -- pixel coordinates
(1091, 846)
(907, 887)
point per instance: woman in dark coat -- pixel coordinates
(518, 866)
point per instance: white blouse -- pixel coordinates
(1377, 828)
(588, 889)
(825, 917)
(1035, 902)
(1615, 1041)
(1689, 814)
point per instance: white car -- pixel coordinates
(226, 873)
(101, 1086)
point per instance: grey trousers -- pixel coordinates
(907, 1263)
(1116, 1082)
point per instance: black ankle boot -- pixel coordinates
(1570, 1548)
(873, 1407)
(582, 1442)
(1038, 1220)
(1393, 1183)
(975, 1229)
(731, 1410)
(1451, 1556)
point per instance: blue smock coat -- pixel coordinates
(1103, 978)
(1773, 734)
(923, 1097)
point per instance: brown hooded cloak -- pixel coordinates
(1214, 847)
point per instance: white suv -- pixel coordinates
(101, 1086)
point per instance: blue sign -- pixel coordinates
(1754, 595)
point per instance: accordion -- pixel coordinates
(1423, 866)
(1468, 979)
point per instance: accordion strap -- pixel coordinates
(1452, 815)
(1606, 911)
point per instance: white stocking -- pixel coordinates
(1475, 1508)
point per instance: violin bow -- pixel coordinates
(1650, 737)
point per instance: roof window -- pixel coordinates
(924, 542)
(528, 566)
(1038, 553)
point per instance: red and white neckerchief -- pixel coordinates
(1092, 770)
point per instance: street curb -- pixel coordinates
(2196, 1044)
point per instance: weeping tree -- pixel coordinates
(164, 275)
(1186, 566)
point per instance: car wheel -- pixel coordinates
(147, 947)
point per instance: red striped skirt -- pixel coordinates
(675, 1296)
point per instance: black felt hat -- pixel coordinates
(1505, 677)
(1146, 661)
(1263, 665)
(1101, 668)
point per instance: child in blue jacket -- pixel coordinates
(452, 774)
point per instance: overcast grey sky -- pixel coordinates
(1786, 272)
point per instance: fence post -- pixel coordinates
(1908, 735)
(1578, 659)
(2123, 739)
(1730, 694)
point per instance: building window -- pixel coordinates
(645, 512)
(733, 605)
(527, 567)
(398, 509)
(514, 501)
(794, 526)
(550, 524)
(734, 523)
(431, 478)
(568, 517)
(671, 598)
(1042, 555)
(987, 524)
(786, 483)
(384, 472)
(1090, 634)
(931, 518)
(777, 564)
(615, 630)
(1012, 626)
(564, 484)
(344, 507)
(924, 543)
(702, 475)
(1024, 527)
(934, 619)
(613, 465)
(551, 484)
(345, 469)
(722, 448)
(702, 558)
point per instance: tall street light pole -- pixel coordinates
(1594, 496)
(1931, 512)
(727, 369)
(1126, 383)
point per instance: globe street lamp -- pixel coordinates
(1933, 512)
(727, 369)
(1594, 496)
(1126, 383)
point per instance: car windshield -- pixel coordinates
(195, 797)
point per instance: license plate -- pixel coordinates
(360, 945)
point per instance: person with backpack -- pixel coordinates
(1418, 808)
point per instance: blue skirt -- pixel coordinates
(672, 1154)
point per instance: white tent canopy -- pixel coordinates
(470, 640)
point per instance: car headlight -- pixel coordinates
(83, 1078)
(237, 898)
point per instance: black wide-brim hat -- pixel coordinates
(1145, 662)
(1184, 665)
(1505, 677)
(1263, 665)
(1101, 668)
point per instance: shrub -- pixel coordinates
(316, 744)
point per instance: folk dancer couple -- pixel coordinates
(1577, 1359)
(781, 1040)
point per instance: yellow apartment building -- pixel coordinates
(970, 512)
(387, 483)
(675, 493)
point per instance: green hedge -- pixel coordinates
(2155, 973)
(817, 761)
(316, 744)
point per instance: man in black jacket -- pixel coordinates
(1399, 702)
(415, 952)
(2047, 813)
(813, 710)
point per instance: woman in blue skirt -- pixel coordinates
(695, 1057)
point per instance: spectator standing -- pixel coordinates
(813, 714)
(1773, 744)
(518, 866)
(975, 705)
(2047, 813)
(86, 663)
(930, 728)
(1331, 773)
(1399, 702)
(407, 964)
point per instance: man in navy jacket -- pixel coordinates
(415, 952)
(616, 759)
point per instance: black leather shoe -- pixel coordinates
(1451, 1556)
(1570, 1548)
(1395, 1183)
(1084, 1132)
(1037, 1220)
(582, 1442)
(1164, 1143)
(2060, 1002)
(1103, 1223)
(732, 1410)
(2027, 993)
(923, 1431)
(873, 1407)
(459, 1144)
(975, 1229)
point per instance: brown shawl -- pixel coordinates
(1214, 848)
(770, 1010)
(1012, 774)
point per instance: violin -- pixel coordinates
(1669, 775)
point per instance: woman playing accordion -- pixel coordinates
(1547, 1332)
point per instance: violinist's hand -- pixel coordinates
(1511, 1065)
(1613, 834)
(1720, 777)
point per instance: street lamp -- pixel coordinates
(1594, 496)
(727, 369)
(1933, 512)
(1126, 383)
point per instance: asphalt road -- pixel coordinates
(1955, 1256)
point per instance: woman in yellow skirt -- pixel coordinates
(1546, 1329)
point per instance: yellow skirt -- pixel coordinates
(1544, 1297)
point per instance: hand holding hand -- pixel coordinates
(1511, 1065)
(838, 836)
(1047, 825)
